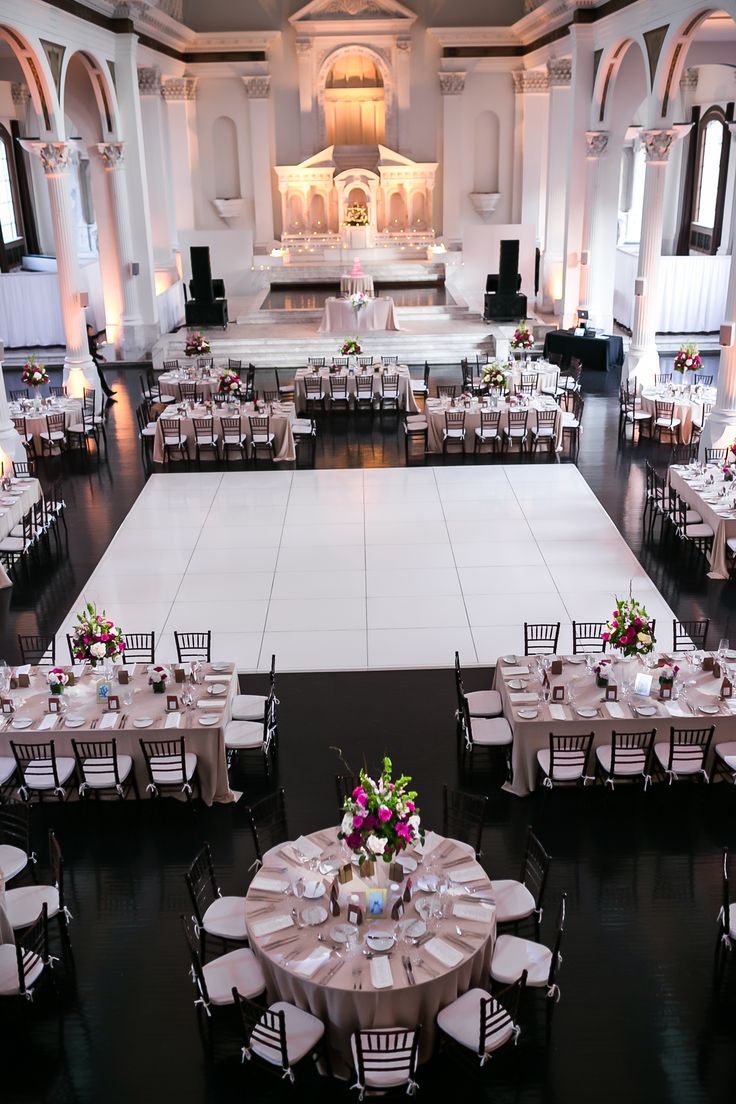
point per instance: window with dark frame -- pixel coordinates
(711, 173)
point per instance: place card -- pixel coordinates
(172, 703)
(113, 703)
(54, 705)
(726, 689)
(558, 693)
(8, 706)
(354, 911)
(665, 691)
(611, 692)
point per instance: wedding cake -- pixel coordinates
(357, 268)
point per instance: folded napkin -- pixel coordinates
(78, 669)
(172, 720)
(222, 677)
(557, 712)
(48, 722)
(473, 912)
(524, 699)
(675, 709)
(443, 952)
(615, 710)
(381, 976)
(24, 669)
(309, 966)
(306, 848)
(273, 885)
(514, 672)
(109, 720)
(274, 924)
(210, 702)
(465, 874)
(431, 842)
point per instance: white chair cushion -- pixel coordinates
(237, 970)
(513, 900)
(12, 860)
(9, 971)
(174, 442)
(638, 416)
(23, 905)
(727, 752)
(149, 431)
(38, 775)
(226, 917)
(491, 731)
(104, 779)
(681, 764)
(515, 431)
(12, 544)
(7, 766)
(166, 398)
(512, 955)
(455, 434)
(699, 531)
(248, 707)
(303, 1032)
(161, 768)
(243, 734)
(55, 435)
(667, 423)
(419, 387)
(564, 771)
(543, 431)
(263, 439)
(379, 1078)
(632, 764)
(461, 1021)
(486, 434)
(484, 703)
(313, 396)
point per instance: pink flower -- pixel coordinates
(358, 821)
(359, 796)
(606, 636)
(411, 806)
(104, 637)
(404, 831)
(384, 813)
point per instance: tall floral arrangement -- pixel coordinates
(356, 215)
(381, 816)
(96, 638)
(230, 384)
(494, 376)
(688, 359)
(630, 630)
(523, 337)
(350, 347)
(34, 373)
(197, 345)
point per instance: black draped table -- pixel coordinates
(598, 353)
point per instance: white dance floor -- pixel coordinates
(386, 567)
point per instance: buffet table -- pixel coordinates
(436, 409)
(340, 317)
(332, 978)
(720, 516)
(281, 416)
(407, 400)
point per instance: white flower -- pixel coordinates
(347, 824)
(377, 844)
(98, 650)
(414, 822)
(645, 638)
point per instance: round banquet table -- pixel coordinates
(688, 410)
(352, 285)
(36, 419)
(344, 999)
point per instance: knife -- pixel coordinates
(406, 968)
(410, 968)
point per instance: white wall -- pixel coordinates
(231, 257)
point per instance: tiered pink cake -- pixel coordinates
(357, 268)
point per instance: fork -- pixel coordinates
(427, 969)
(356, 976)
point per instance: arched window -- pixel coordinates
(709, 192)
(9, 206)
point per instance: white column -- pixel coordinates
(719, 430)
(160, 158)
(582, 82)
(452, 86)
(114, 163)
(532, 100)
(179, 146)
(591, 254)
(403, 94)
(559, 73)
(307, 120)
(642, 359)
(11, 445)
(79, 368)
(258, 90)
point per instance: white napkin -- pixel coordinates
(381, 975)
(524, 699)
(276, 923)
(675, 709)
(24, 669)
(109, 720)
(615, 710)
(131, 670)
(557, 712)
(306, 848)
(431, 841)
(275, 885)
(48, 722)
(465, 874)
(473, 912)
(172, 720)
(211, 703)
(443, 952)
(78, 669)
(514, 672)
(309, 965)
(224, 676)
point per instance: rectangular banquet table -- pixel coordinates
(689, 409)
(340, 317)
(407, 400)
(531, 735)
(13, 505)
(436, 418)
(207, 742)
(721, 518)
(597, 353)
(206, 385)
(283, 414)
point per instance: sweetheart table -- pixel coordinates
(340, 317)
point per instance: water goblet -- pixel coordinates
(723, 647)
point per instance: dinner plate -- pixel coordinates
(142, 722)
(427, 883)
(587, 712)
(217, 688)
(516, 684)
(314, 890)
(220, 666)
(413, 929)
(209, 718)
(423, 907)
(340, 933)
(74, 721)
(576, 659)
(708, 708)
(645, 710)
(380, 940)
(528, 714)
(313, 915)
(22, 722)
(509, 659)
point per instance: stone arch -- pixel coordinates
(381, 62)
(39, 79)
(673, 61)
(102, 88)
(607, 79)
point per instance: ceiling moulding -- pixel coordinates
(157, 19)
(541, 19)
(352, 17)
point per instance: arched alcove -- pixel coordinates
(227, 161)
(355, 97)
(486, 145)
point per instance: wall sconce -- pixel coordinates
(83, 299)
(135, 268)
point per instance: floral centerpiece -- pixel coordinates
(358, 300)
(157, 677)
(96, 639)
(197, 345)
(602, 671)
(523, 337)
(629, 630)
(688, 359)
(350, 347)
(494, 376)
(381, 816)
(727, 473)
(356, 215)
(57, 680)
(667, 673)
(34, 373)
(231, 385)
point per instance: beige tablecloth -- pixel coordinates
(343, 1008)
(339, 317)
(12, 508)
(547, 375)
(532, 735)
(169, 384)
(436, 418)
(687, 410)
(407, 399)
(723, 527)
(280, 426)
(36, 423)
(207, 742)
(352, 285)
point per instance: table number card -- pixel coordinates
(172, 703)
(8, 706)
(643, 684)
(726, 689)
(665, 691)
(113, 703)
(54, 705)
(558, 693)
(611, 692)
(355, 912)
(103, 692)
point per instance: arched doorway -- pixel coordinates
(354, 101)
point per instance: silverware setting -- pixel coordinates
(427, 969)
(281, 942)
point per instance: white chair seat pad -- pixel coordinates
(301, 425)
(226, 917)
(666, 423)
(39, 775)
(9, 971)
(564, 771)
(243, 734)
(484, 703)
(263, 439)
(486, 434)
(514, 431)
(455, 434)
(24, 904)
(377, 1078)
(101, 775)
(164, 772)
(699, 531)
(513, 900)
(512, 955)
(237, 970)
(303, 1032)
(55, 435)
(543, 431)
(248, 707)
(492, 731)
(681, 764)
(461, 1021)
(632, 764)
(12, 860)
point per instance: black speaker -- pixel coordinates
(201, 283)
(508, 268)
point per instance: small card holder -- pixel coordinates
(397, 909)
(24, 680)
(717, 670)
(113, 703)
(54, 705)
(345, 873)
(726, 689)
(395, 872)
(556, 667)
(179, 674)
(665, 692)
(172, 703)
(71, 677)
(8, 706)
(708, 662)
(558, 693)
(123, 677)
(354, 914)
(367, 868)
(611, 692)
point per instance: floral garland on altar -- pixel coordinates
(688, 359)
(523, 337)
(197, 345)
(96, 638)
(350, 347)
(34, 373)
(630, 630)
(381, 816)
(356, 215)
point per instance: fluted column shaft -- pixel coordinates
(114, 164)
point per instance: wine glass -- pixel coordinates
(723, 647)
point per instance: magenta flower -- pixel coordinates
(411, 806)
(354, 840)
(358, 821)
(384, 813)
(404, 831)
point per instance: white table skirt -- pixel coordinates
(723, 528)
(30, 306)
(352, 285)
(280, 426)
(686, 410)
(340, 317)
(436, 420)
